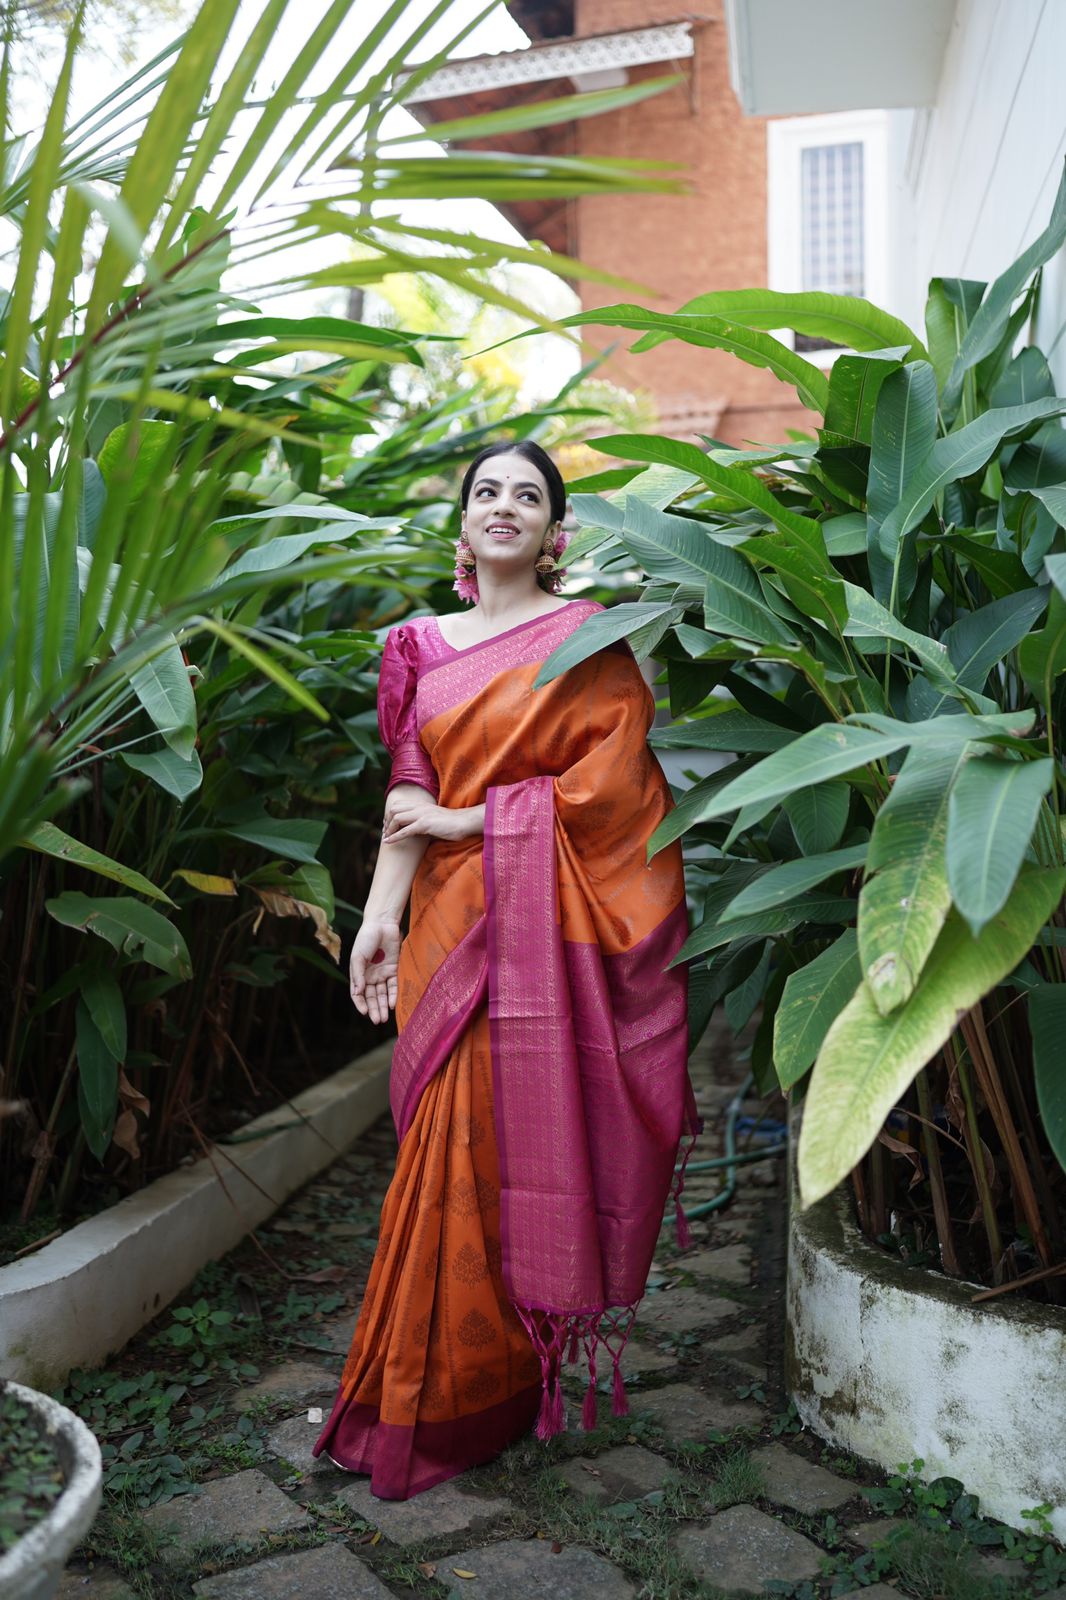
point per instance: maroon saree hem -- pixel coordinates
(403, 1461)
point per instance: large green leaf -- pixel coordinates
(951, 304)
(813, 998)
(134, 449)
(684, 551)
(104, 1002)
(868, 1061)
(1042, 656)
(1047, 1023)
(903, 433)
(981, 638)
(52, 841)
(162, 686)
(804, 572)
(179, 777)
(735, 482)
(97, 1083)
(845, 319)
(713, 932)
(906, 898)
(784, 883)
(989, 321)
(866, 618)
(818, 815)
(827, 751)
(992, 812)
(128, 926)
(293, 838)
(854, 385)
(719, 333)
(726, 730)
(957, 456)
(595, 633)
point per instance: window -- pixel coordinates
(826, 204)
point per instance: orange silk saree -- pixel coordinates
(539, 1082)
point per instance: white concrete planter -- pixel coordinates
(32, 1568)
(894, 1362)
(77, 1301)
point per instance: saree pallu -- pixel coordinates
(539, 1082)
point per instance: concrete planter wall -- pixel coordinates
(77, 1301)
(894, 1362)
(32, 1568)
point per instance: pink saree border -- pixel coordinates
(445, 1009)
(404, 1460)
(446, 684)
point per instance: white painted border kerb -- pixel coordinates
(77, 1301)
(894, 1362)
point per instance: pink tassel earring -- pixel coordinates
(465, 584)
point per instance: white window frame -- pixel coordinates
(786, 139)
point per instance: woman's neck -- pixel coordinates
(502, 601)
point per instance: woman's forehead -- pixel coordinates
(513, 470)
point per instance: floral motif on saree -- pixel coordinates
(539, 1083)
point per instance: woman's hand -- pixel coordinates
(408, 819)
(375, 955)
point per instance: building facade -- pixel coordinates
(713, 236)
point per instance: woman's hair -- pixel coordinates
(536, 457)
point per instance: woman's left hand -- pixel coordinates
(409, 819)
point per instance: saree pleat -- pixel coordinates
(441, 1374)
(539, 1081)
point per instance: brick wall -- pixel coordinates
(713, 237)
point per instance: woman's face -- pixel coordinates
(508, 512)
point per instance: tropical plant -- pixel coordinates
(199, 514)
(867, 628)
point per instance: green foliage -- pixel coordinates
(209, 514)
(865, 622)
(31, 1473)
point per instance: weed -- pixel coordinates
(737, 1479)
(938, 1563)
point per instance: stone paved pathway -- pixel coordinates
(707, 1489)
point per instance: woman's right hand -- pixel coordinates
(375, 955)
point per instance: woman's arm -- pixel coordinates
(376, 951)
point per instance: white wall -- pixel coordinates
(979, 170)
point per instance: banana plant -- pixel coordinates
(865, 629)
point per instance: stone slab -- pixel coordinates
(682, 1311)
(526, 1569)
(870, 1533)
(328, 1572)
(637, 1359)
(297, 1381)
(442, 1510)
(233, 1510)
(338, 1331)
(885, 1591)
(687, 1413)
(743, 1549)
(102, 1583)
(292, 1440)
(802, 1485)
(626, 1473)
(744, 1342)
(730, 1263)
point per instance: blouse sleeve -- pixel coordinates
(396, 713)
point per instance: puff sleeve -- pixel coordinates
(397, 721)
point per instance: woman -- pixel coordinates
(539, 1082)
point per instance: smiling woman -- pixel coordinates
(539, 1083)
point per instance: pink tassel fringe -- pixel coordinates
(619, 1398)
(550, 1332)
